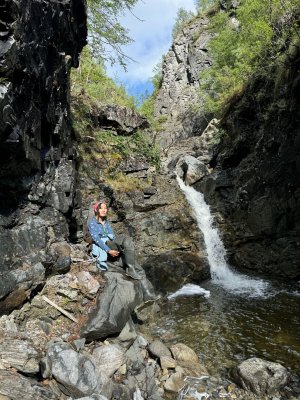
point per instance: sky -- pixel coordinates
(152, 35)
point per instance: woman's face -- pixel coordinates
(102, 210)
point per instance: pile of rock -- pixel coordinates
(76, 340)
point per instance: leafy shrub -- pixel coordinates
(243, 44)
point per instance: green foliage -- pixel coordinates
(244, 45)
(182, 19)
(106, 34)
(147, 107)
(203, 5)
(90, 79)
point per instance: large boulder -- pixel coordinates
(190, 169)
(114, 307)
(260, 376)
(169, 271)
(75, 373)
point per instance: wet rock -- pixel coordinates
(108, 359)
(168, 271)
(260, 376)
(19, 354)
(190, 170)
(182, 353)
(114, 307)
(14, 386)
(147, 311)
(159, 349)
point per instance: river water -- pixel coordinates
(231, 317)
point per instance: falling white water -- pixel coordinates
(220, 271)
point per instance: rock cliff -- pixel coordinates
(39, 42)
(252, 177)
(256, 183)
(178, 103)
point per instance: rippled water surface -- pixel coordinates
(226, 328)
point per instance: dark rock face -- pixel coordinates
(122, 120)
(256, 182)
(40, 42)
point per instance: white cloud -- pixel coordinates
(152, 37)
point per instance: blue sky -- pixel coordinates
(152, 38)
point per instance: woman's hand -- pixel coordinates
(113, 253)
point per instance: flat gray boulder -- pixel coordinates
(260, 376)
(114, 307)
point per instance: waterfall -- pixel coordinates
(221, 273)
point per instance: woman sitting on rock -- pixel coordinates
(105, 243)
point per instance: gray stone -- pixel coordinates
(178, 94)
(19, 354)
(144, 383)
(182, 353)
(87, 283)
(260, 376)
(76, 374)
(123, 120)
(128, 332)
(15, 386)
(159, 349)
(108, 358)
(190, 170)
(114, 307)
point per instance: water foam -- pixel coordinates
(190, 290)
(221, 273)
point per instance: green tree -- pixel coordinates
(90, 79)
(106, 34)
(182, 19)
(250, 42)
(203, 5)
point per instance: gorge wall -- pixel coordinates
(40, 42)
(251, 179)
(255, 183)
(177, 102)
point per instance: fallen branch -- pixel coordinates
(64, 312)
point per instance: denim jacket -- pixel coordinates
(100, 234)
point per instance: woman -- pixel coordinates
(101, 233)
(104, 239)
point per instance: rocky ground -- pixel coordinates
(79, 337)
